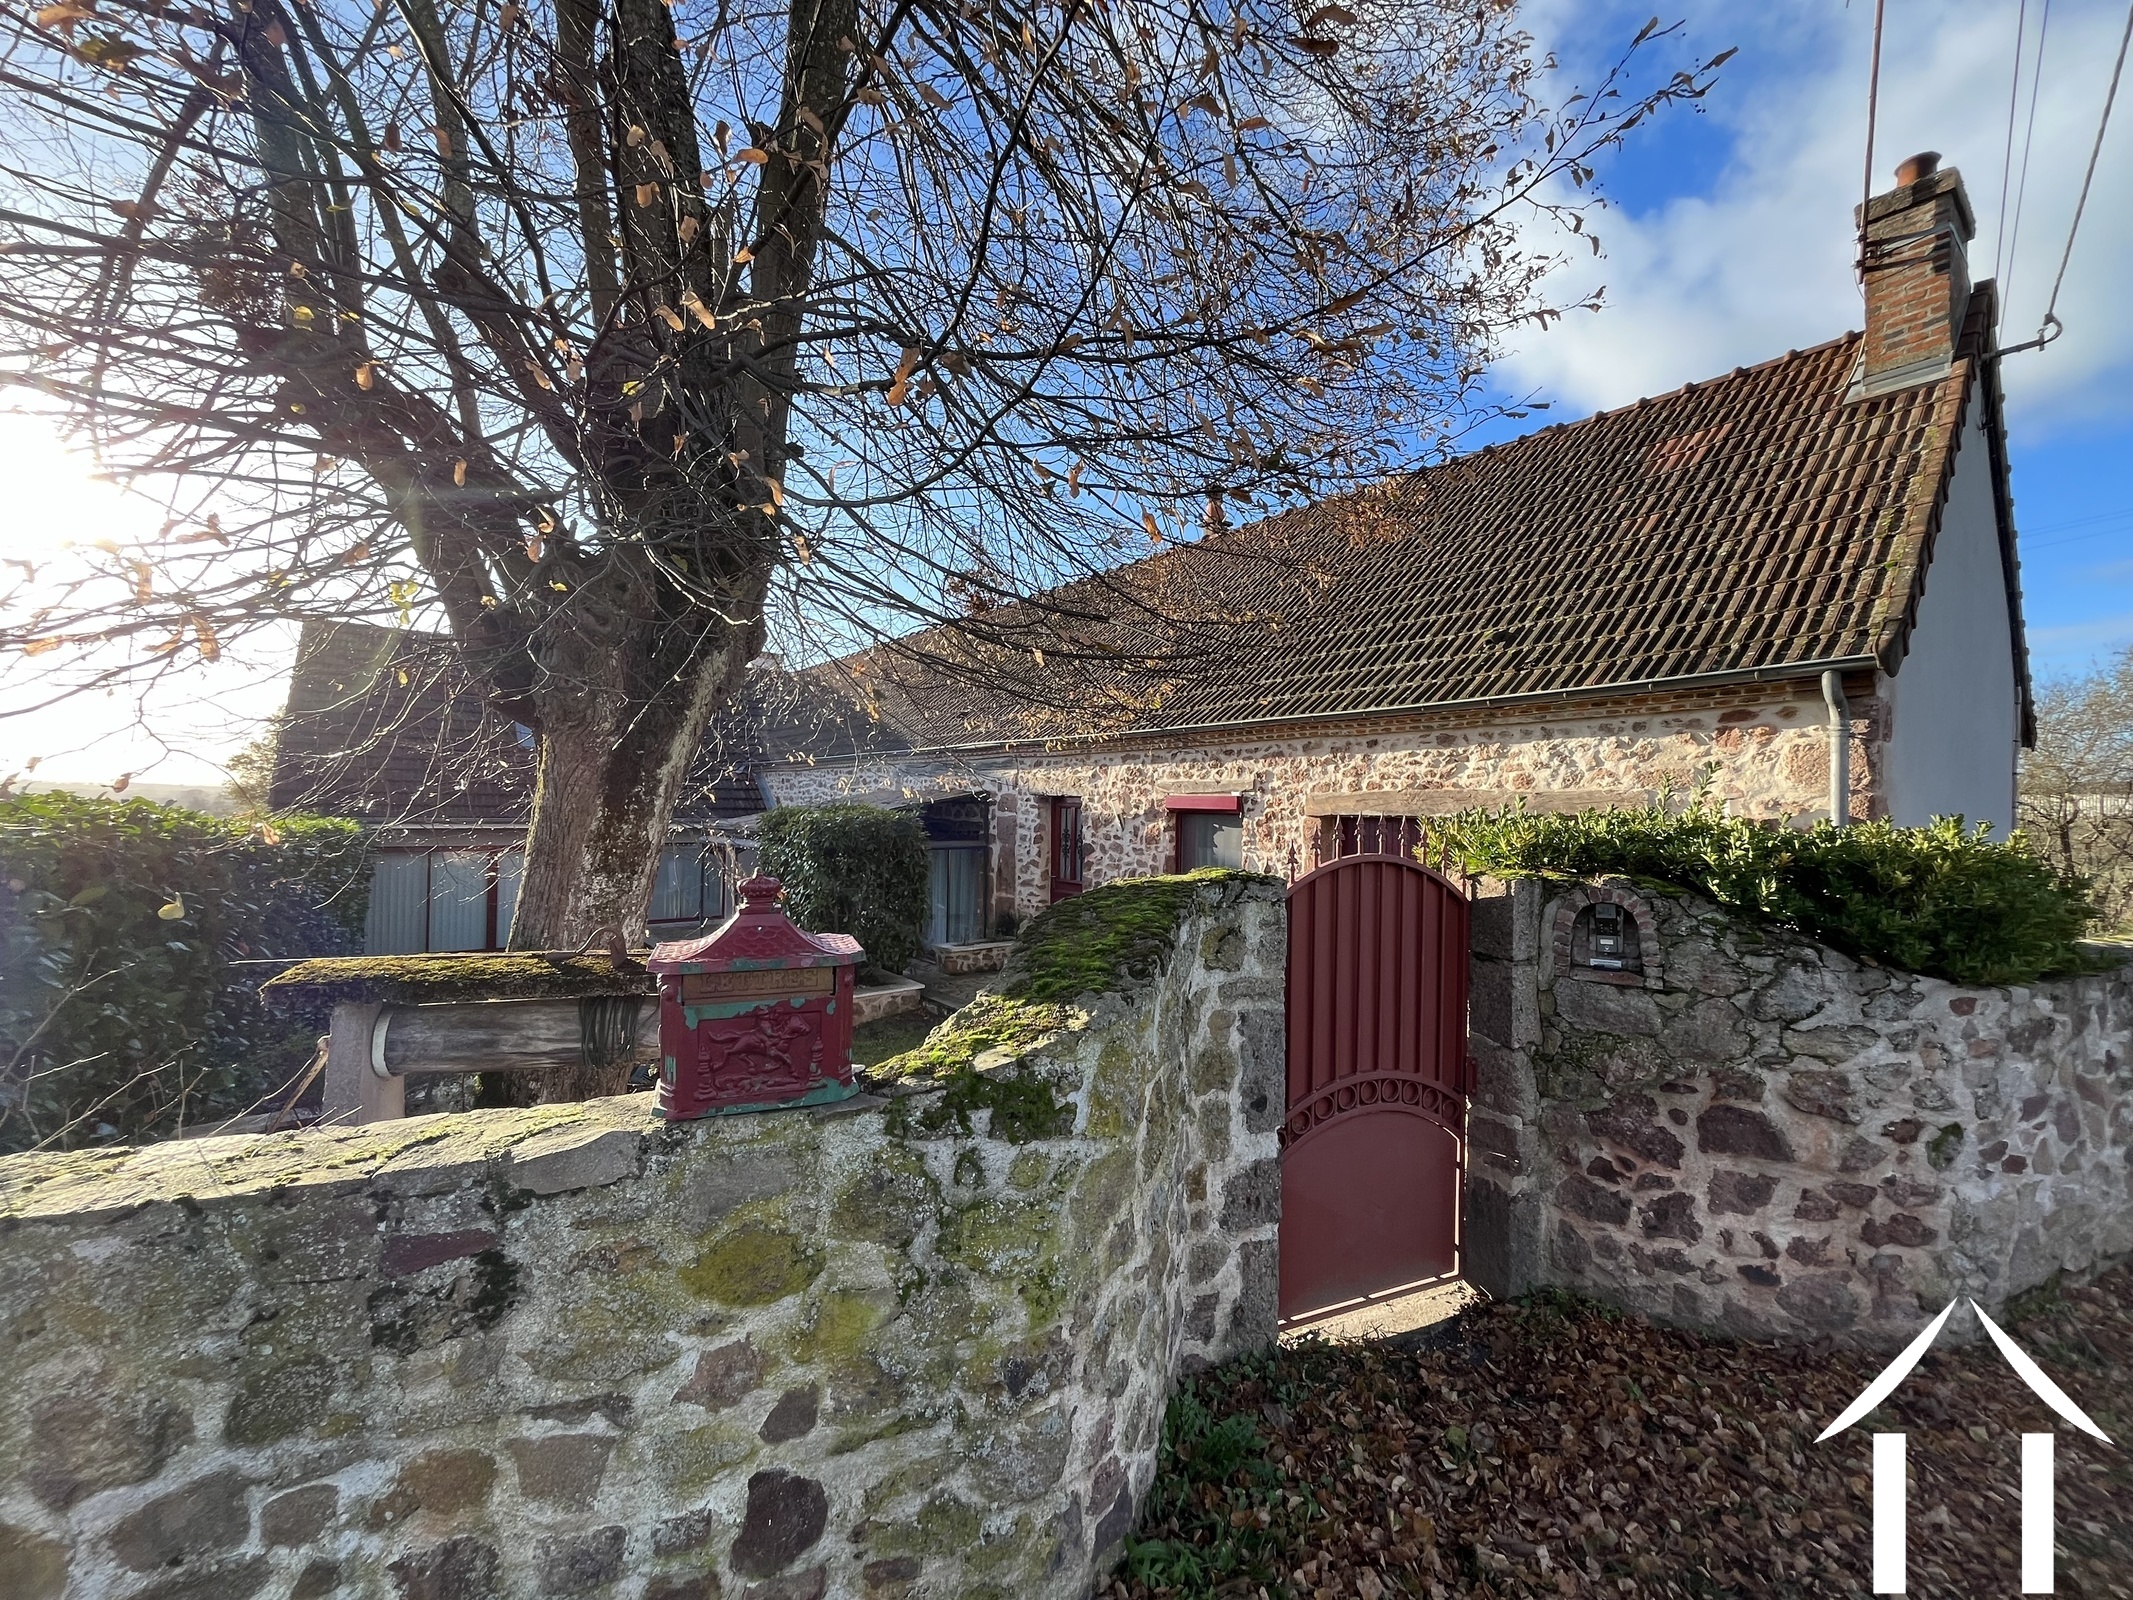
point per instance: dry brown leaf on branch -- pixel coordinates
(753, 156)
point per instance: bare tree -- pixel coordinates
(612, 332)
(2076, 800)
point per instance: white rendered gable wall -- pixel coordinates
(1955, 723)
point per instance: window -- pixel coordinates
(438, 900)
(687, 888)
(1209, 839)
(1066, 848)
(1209, 830)
(957, 891)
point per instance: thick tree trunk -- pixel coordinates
(622, 720)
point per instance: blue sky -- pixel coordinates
(1729, 241)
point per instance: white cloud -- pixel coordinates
(1761, 260)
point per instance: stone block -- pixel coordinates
(32, 1567)
(1740, 1194)
(1671, 1216)
(1604, 1008)
(230, 1578)
(1629, 1122)
(438, 1483)
(206, 1517)
(812, 1584)
(1794, 994)
(464, 1568)
(692, 1530)
(1903, 1229)
(296, 1519)
(578, 1563)
(568, 1159)
(1824, 1302)
(1820, 1094)
(562, 1469)
(1580, 1196)
(785, 1518)
(1734, 1130)
(1708, 1032)
(793, 1417)
(715, 1186)
(1252, 1197)
(83, 1443)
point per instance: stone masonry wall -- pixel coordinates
(573, 1352)
(1765, 750)
(1768, 1138)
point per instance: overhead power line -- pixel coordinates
(2014, 95)
(2089, 177)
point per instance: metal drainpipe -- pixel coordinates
(1840, 748)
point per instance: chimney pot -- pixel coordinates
(1922, 165)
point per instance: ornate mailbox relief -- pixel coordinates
(756, 1014)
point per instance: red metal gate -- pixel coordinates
(1372, 1151)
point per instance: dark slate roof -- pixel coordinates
(1756, 525)
(382, 724)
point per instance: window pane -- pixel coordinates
(397, 923)
(678, 887)
(1209, 839)
(957, 889)
(459, 900)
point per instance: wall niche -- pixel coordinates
(1608, 935)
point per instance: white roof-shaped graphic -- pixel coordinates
(1899, 1369)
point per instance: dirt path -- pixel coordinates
(1548, 1448)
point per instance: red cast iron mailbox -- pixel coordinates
(755, 1015)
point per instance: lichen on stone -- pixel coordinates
(435, 979)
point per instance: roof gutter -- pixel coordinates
(1808, 671)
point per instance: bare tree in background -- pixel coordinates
(2076, 791)
(611, 331)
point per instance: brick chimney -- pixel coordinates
(1914, 258)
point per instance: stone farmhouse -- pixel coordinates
(1794, 585)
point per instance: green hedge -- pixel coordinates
(1940, 899)
(859, 870)
(122, 1016)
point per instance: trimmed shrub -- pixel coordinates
(1942, 899)
(859, 870)
(122, 1017)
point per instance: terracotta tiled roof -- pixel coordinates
(1755, 523)
(1760, 524)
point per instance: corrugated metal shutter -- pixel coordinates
(397, 923)
(459, 900)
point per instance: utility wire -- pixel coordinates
(2089, 176)
(2029, 139)
(1873, 105)
(2014, 94)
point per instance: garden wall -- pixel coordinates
(851, 1351)
(1760, 1135)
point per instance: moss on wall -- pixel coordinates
(436, 979)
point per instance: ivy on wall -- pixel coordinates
(127, 1011)
(859, 870)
